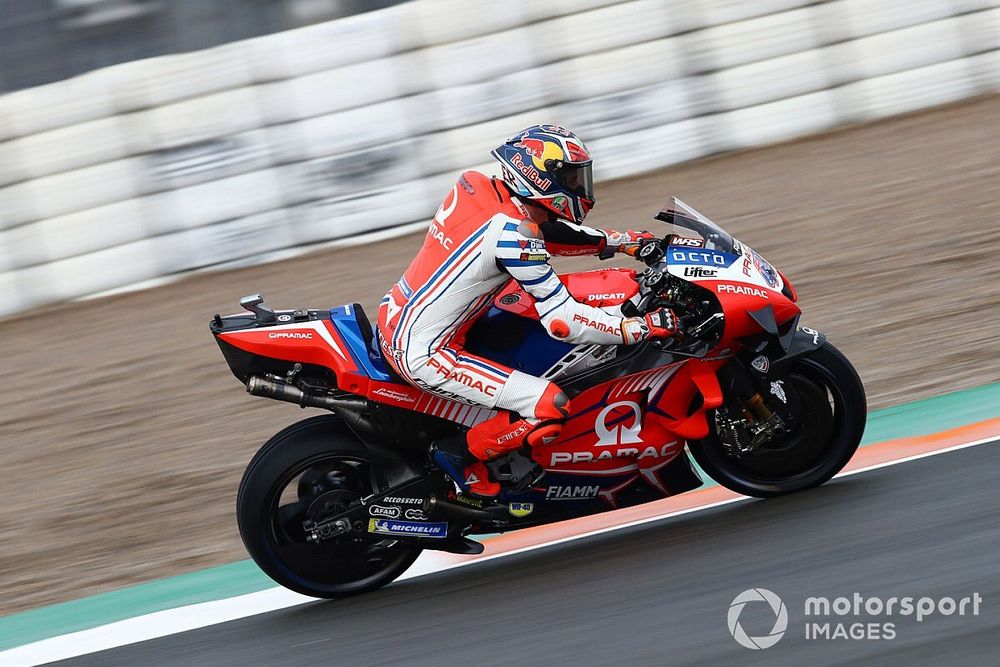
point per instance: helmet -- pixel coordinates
(549, 165)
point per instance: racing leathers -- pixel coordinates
(480, 238)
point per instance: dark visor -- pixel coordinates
(577, 178)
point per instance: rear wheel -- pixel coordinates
(832, 411)
(313, 469)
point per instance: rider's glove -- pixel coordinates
(661, 323)
(627, 242)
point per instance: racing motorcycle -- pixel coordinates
(343, 503)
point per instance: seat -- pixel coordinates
(371, 339)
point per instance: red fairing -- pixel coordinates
(603, 287)
(314, 342)
(738, 299)
(789, 287)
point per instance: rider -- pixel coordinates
(487, 231)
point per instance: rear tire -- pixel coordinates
(316, 465)
(833, 416)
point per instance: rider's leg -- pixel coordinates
(530, 410)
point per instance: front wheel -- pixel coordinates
(314, 468)
(832, 412)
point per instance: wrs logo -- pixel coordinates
(777, 608)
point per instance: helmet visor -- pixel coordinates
(577, 178)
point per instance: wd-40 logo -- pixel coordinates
(520, 509)
(620, 431)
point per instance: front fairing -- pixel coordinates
(702, 252)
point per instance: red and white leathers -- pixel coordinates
(480, 237)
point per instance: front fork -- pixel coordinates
(746, 397)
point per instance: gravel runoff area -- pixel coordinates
(124, 435)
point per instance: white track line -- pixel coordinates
(192, 617)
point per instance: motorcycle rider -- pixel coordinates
(487, 231)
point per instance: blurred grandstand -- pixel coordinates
(150, 168)
(51, 40)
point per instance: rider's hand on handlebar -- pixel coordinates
(631, 241)
(659, 324)
(662, 323)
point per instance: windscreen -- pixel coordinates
(689, 223)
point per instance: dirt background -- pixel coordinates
(123, 435)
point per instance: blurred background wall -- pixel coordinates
(149, 168)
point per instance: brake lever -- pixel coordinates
(698, 329)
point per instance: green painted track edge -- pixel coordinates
(924, 417)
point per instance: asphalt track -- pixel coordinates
(659, 594)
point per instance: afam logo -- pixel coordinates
(379, 510)
(619, 434)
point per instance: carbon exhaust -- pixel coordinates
(281, 391)
(435, 508)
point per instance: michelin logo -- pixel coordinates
(437, 530)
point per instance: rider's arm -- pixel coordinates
(566, 238)
(523, 254)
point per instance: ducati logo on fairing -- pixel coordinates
(609, 295)
(621, 434)
(761, 363)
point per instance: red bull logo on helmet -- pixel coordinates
(540, 150)
(530, 172)
(533, 147)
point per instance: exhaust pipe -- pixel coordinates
(281, 391)
(435, 507)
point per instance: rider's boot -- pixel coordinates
(493, 443)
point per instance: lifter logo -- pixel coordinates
(620, 434)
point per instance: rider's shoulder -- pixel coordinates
(488, 193)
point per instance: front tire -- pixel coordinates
(833, 412)
(314, 466)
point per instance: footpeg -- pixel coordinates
(515, 471)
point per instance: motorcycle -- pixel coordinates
(343, 503)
